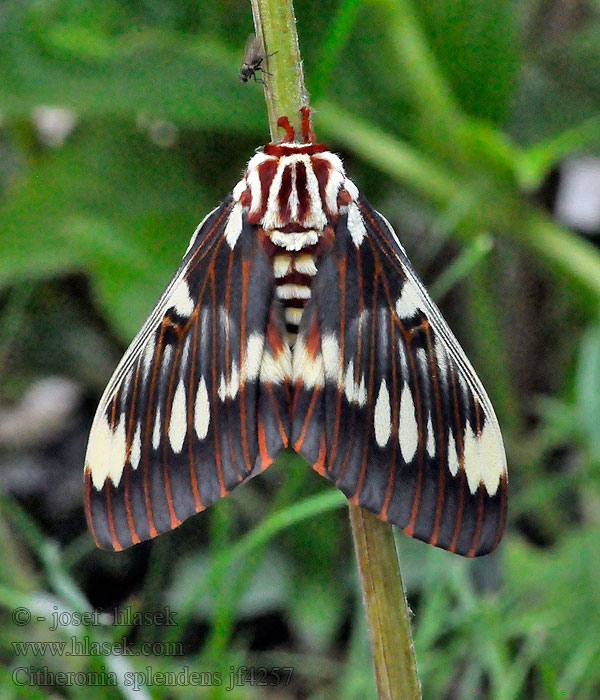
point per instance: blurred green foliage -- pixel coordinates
(449, 115)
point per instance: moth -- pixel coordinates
(296, 320)
(254, 55)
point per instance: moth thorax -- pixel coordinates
(294, 190)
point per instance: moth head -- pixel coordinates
(293, 185)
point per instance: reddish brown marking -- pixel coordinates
(145, 458)
(214, 416)
(302, 190)
(343, 198)
(477, 416)
(370, 409)
(245, 451)
(311, 406)
(202, 250)
(130, 524)
(461, 456)
(390, 253)
(134, 536)
(266, 173)
(459, 510)
(321, 169)
(109, 517)
(265, 460)
(307, 133)
(441, 443)
(191, 461)
(324, 243)
(174, 521)
(501, 511)
(313, 338)
(319, 465)
(357, 364)
(284, 123)
(278, 150)
(228, 366)
(283, 195)
(273, 338)
(406, 336)
(246, 198)
(341, 266)
(87, 486)
(479, 524)
(395, 420)
(274, 406)
(295, 277)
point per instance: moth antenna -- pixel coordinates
(284, 123)
(308, 135)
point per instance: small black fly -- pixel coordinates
(254, 55)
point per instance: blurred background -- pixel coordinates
(474, 126)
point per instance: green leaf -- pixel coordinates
(109, 202)
(477, 46)
(150, 71)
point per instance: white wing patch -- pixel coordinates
(201, 410)
(234, 226)
(408, 433)
(181, 300)
(409, 303)
(178, 419)
(382, 417)
(356, 225)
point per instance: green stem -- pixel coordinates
(388, 617)
(381, 582)
(285, 93)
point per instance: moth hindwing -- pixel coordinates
(295, 318)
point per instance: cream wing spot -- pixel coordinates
(430, 446)
(408, 432)
(181, 300)
(233, 228)
(409, 302)
(178, 419)
(156, 430)
(147, 359)
(492, 456)
(452, 455)
(471, 461)
(201, 410)
(135, 453)
(118, 447)
(349, 382)
(276, 369)
(307, 367)
(229, 389)
(97, 457)
(253, 357)
(382, 418)
(356, 225)
(331, 358)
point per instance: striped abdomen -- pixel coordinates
(294, 258)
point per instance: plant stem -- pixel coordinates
(388, 616)
(285, 93)
(381, 582)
